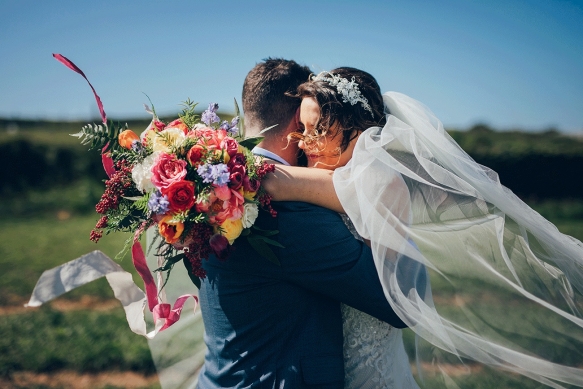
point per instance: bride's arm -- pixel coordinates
(311, 185)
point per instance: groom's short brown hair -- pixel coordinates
(265, 102)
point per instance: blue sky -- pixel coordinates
(510, 64)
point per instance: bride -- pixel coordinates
(505, 301)
(335, 108)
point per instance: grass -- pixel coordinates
(31, 245)
(48, 340)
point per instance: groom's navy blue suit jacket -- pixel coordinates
(270, 326)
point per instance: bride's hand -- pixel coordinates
(310, 185)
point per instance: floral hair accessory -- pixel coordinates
(348, 89)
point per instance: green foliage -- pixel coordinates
(101, 137)
(188, 115)
(482, 140)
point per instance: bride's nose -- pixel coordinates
(302, 144)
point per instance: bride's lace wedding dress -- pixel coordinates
(374, 354)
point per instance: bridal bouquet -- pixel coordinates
(195, 179)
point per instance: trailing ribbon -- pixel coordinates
(65, 61)
(94, 265)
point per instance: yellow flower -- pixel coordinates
(249, 195)
(170, 229)
(232, 229)
(167, 138)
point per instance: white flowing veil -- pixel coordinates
(492, 290)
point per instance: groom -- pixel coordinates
(280, 326)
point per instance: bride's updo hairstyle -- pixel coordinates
(367, 110)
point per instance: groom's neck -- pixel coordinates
(282, 147)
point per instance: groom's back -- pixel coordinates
(263, 330)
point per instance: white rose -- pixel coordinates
(250, 212)
(142, 173)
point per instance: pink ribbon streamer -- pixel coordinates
(160, 311)
(108, 166)
(65, 61)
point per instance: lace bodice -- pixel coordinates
(374, 354)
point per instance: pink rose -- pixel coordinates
(167, 169)
(209, 137)
(222, 192)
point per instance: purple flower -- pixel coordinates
(209, 115)
(137, 146)
(158, 203)
(217, 174)
(231, 128)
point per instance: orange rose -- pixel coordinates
(126, 139)
(170, 229)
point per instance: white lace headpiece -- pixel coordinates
(348, 89)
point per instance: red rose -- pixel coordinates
(251, 185)
(238, 169)
(180, 195)
(158, 124)
(236, 180)
(236, 159)
(230, 145)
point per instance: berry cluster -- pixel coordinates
(115, 188)
(198, 248)
(264, 198)
(263, 169)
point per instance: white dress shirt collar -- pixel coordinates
(268, 154)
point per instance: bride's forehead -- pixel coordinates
(309, 110)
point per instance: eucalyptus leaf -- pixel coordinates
(269, 241)
(263, 249)
(251, 142)
(195, 280)
(237, 111)
(170, 262)
(267, 129)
